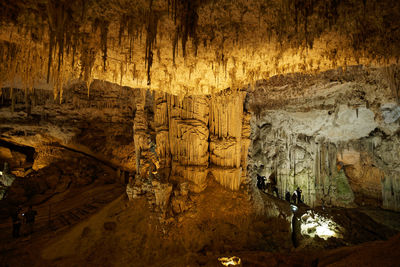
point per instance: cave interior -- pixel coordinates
(200, 132)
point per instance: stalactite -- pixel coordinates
(103, 40)
(51, 46)
(151, 36)
(294, 167)
(27, 108)
(12, 100)
(318, 166)
(328, 160)
(373, 147)
(122, 25)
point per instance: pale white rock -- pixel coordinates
(344, 125)
(390, 113)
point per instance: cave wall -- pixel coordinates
(334, 134)
(226, 138)
(199, 135)
(188, 138)
(338, 143)
(99, 124)
(195, 135)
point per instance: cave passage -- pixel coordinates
(28, 151)
(200, 133)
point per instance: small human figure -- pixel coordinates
(259, 182)
(298, 191)
(16, 221)
(287, 196)
(294, 197)
(264, 183)
(29, 219)
(275, 190)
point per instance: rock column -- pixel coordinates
(161, 124)
(140, 132)
(188, 136)
(226, 119)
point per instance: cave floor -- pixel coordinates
(97, 226)
(55, 216)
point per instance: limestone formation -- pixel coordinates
(330, 145)
(180, 201)
(5, 153)
(304, 141)
(195, 136)
(197, 48)
(162, 193)
(187, 132)
(188, 139)
(141, 134)
(226, 121)
(161, 124)
(6, 180)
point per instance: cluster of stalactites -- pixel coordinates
(72, 34)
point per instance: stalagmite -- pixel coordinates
(226, 119)
(245, 141)
(188, 139)
(161, 124)
(141, 133)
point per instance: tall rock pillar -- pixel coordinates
(161, 125)
(140, 131)
(226, 120)
(188, 136)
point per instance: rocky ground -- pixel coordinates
(219, 223)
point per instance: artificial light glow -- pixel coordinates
(324, 232)
(230, 261)
(313, 224)
(294, 208)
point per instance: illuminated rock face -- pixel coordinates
(100, 125)
(332, 134)
(313, 224)
(226, 148)
(199, 134)
(336, 143)
(194, 135)
(189, 47)
(364, 177)
(188, 139)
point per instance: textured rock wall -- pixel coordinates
(300, 161)
(196, 135)
(99, 124)
(226, 119)
(161, 124)
(385, 150)
(335, 136)
(246, 141)
(141, 134)
(188, 137)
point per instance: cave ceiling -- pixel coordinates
(189, 46)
